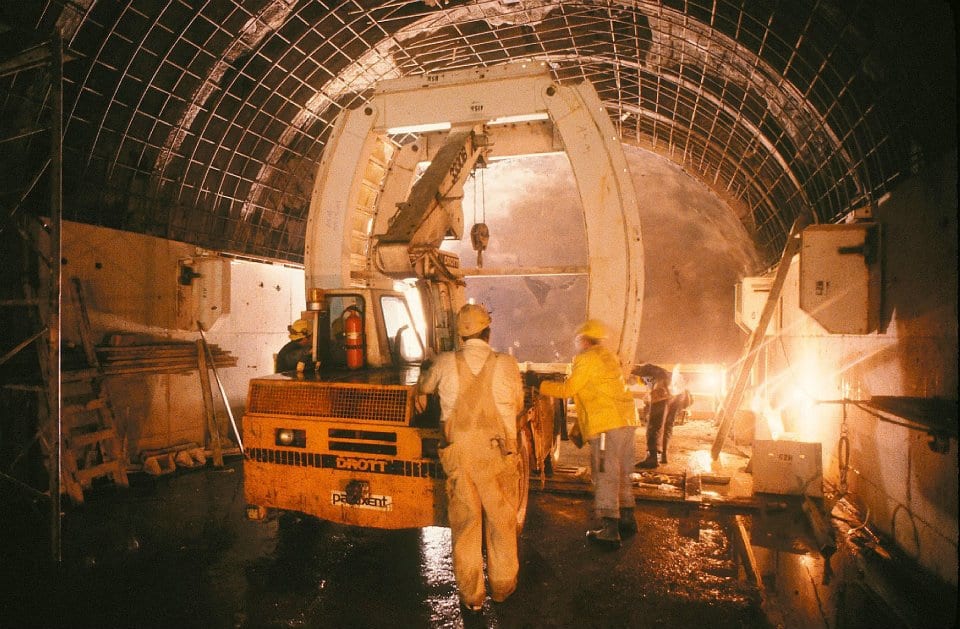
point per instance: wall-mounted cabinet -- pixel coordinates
(840, 276)
(750, 299)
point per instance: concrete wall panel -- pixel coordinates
(909, 489)
(131, 287)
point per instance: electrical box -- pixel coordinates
(787, 467)
(840, 276)
(750, 299)
(203, 291)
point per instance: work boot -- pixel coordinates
(628, 523)
(608, 535)
(648, 463)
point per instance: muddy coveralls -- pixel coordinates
(664, 407)
(480, 462)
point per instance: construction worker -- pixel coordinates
(480, 396)
(297, 354)
(607, 419)
(665, 404)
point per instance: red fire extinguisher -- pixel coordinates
(353, 330)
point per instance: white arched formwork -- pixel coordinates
(363, 174)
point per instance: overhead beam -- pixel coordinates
(523, 271)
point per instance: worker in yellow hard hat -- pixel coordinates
(297, 354)
(607, 420)
(480, 396)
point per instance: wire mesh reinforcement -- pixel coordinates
(203, 122)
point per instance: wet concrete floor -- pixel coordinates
(177, 551)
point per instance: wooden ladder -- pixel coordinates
(91, 447)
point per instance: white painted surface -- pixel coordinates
(131, 286)
(910, 490)
(477, 95)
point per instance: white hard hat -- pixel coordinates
(472, 319)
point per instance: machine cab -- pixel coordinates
(363, 328)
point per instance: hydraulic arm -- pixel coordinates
(432, 212)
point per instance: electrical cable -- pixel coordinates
(843, 452)
(862, 525)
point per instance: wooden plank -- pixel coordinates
(152, 347)
(188, 358)
(69, 484)
(78, 375)
(85, 333)
(735, 395)
(83, 407)
(208, 405)
(107, 468)
(91, 438)
(187, 361)
(741, 540)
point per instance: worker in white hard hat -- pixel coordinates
(607, 420)
(297, 354)
(480, 396)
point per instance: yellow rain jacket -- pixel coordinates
(598, 390)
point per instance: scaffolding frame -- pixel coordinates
(47, 60)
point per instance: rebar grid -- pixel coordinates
(204, 121)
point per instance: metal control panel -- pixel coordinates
(840, 276)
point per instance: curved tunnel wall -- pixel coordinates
(203, 122)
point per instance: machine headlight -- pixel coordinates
(291, 438)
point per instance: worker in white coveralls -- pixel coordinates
(607, 419)
(480, 396)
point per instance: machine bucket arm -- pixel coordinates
(433, 209)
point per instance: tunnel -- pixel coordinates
(789, 253)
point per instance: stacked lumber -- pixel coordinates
(157, 358)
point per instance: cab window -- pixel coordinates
(405, 343)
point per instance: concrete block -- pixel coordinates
(787, 467)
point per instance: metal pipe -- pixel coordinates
(55, 280)
(526, 270)
(223, 392)
(13, 352)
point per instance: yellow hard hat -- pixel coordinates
(300, 329)
(472, 319)
(591, 328)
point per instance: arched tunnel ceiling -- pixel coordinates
(203, 121)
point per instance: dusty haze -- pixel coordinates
(695, 251)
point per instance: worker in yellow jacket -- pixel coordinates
(607, 418)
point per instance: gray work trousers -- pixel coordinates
(612, 487)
